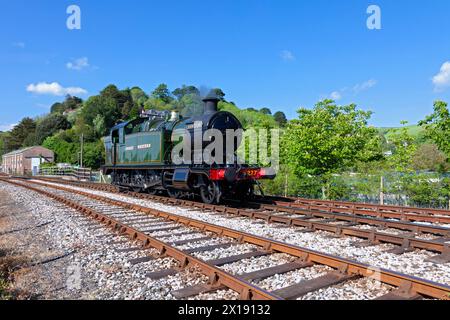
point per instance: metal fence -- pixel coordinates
(82, 174)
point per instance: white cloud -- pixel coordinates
(54, 89)
(78, 64)
(7, 127)
(442, 79)
(336, 95)
(356, 89)
(19, 44)
(364, 86)
(287, 55)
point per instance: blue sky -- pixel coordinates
(279, 54)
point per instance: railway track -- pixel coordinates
(143, 224)
(407, 238)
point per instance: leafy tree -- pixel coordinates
(329, 138)
(19, 133)
(99, 125)
(128, 109)
(3, 137)
(65, 152)
(93, 154)
(103, 105)
(138, 96)
(265, 111)
(437, 126)
(179, 93)
(219, 93)
(49, 125)
(72, 103)
(403, 149)
(280, 118)
(162, 93)
(429, 157)
(58, 108)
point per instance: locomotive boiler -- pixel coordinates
(139, 156)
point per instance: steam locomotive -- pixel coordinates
(139, 156)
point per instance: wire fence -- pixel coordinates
(417, 189)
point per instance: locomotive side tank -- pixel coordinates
(139, 156)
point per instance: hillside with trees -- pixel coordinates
(329, 151)
(69, 120)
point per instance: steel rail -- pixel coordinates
(406, 241)
(365, 206)
(420, 286)
(217, 277)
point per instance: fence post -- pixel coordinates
(381, 190)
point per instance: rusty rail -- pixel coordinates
(406, 241)
(217, 276)
(416, 285)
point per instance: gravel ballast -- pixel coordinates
(412, 263)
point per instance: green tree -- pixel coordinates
(429, 157)
(58, 108)
(403, 149)
(72, 103)
(280, 118)
(179, 93)
(65, 152)
(103, 105)
(49, 125)
(265, 111)
(219, 93)
(162, 93)
(19, 133)
(328, 139)
(138, 96)
(93, 154)
(99, 125)
(437, 126)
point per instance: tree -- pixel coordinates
(138, 96)
(99, 125)
(162, 93)
(219, 93)
(280, 118)
(50, 125)
(403, 149)
(429, 157)
(58, 108)
(265, 111)
(103, 105)
(179, 93)
(19, 133)
(128, 109)
(437, 126)
(328, 139)
(121, 97)
(94, 154)
(72, 103)
(65, 152)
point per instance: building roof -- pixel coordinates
(22, 151)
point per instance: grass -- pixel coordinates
(414, 130)
(8, 263)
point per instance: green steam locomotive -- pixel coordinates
(140, 156)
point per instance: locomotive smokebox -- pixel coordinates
(211, 103)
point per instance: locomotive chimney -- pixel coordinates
(211, 102)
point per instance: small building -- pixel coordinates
(26, 161)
